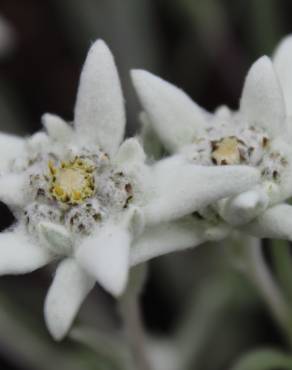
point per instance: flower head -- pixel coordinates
(257, 136)
(74, 196)
(81, 195)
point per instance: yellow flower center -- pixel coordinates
(71, 182)
(226, 151)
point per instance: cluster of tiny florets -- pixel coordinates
(38, 212)
(76, 191)
(273, 165)
(222, 146)
(237, 145)
(84, 217)
(72, 182)
(230, 144)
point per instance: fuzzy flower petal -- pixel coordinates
(242, 208)
(70, 287)
(175, 117)
(262, 102)
(174, 236)
(130, 154)
(56, 127)
(275, 222)
(282, 62)
(99, 109)
(105, 256)
(11, 147)
(55, 237)
(19, 254)
(12, 188)
(182, 188)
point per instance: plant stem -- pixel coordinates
(109, 346)
(262, 278)
(130, 311)
(282, 261)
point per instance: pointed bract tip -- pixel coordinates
(262, 62)
(55, 329)
(99, 46)
(138, 72)
(98, 49)
(285, 43)
(130, 151)
(140, 75)
(262, 101)
(118, 288)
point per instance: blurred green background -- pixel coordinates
(194, 302)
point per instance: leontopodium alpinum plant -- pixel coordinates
(257, 135)
(82, 196)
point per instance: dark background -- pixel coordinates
(205, 47)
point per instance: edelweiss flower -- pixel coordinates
(81, 196)
(69, 192)
(258, 135)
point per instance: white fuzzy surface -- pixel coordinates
(56, 237)
(99, 110)
(13, 189)
(176, 119)
(105, 255)
(70, 286)
(244, 207)
(11, 147)
(173, 236)
(57, 128)
(130, 154)
(181, 188)
(19, 254)
(262, 102)
(282, 62)
(275, 222)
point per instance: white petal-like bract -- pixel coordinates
(181, 188)
(262, 102)
(176, 119)
(130, 154)
(13, 189)
(70, 287)
(99, 109)
(242, 208)
(11, 148)
(282, 61)
(56, 127)
(275, 222)
(56, 237)
(19, 254)
(105, 256)
(174, 236)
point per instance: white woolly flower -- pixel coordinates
(258, 135)
(81, 195)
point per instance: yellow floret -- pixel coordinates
(72, 182)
